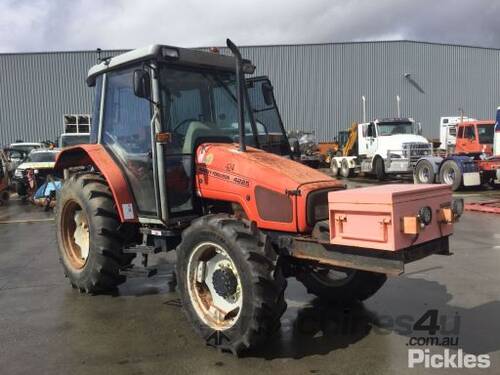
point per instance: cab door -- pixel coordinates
(371, 140)
(467, 139)
(126, 135)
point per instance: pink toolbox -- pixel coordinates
(390, 217)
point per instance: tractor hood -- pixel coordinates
(260, 167)
(276, 192)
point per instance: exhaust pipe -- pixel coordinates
(240, 80)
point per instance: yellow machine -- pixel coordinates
(351, 140)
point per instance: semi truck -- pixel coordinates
(448, 131)
(472, 163)
(387, 146)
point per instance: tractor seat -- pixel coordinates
(198, 131)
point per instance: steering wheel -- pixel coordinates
(182, 123)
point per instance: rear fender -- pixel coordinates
(465, 163)
(97, 156)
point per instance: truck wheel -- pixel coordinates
(231, 288)
(345, 171)
(334, 166)
(89, 243)
(379, 168)
(424, 173)
(341, 284)
(451, 174)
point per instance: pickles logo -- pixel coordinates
(423, 357)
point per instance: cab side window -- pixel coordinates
(469, 132)
(371, 130)
(460, 132)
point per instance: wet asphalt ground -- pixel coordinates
(46, 327)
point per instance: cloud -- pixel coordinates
(41, 25)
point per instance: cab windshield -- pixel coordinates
(201, 106)
(485, 133)
(393, 128)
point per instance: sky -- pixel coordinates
(59, 25)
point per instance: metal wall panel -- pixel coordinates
(37, 89)
(318, 87)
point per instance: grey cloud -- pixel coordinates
(40, 25)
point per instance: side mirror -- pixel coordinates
(267, 93)
(142, 84)
(419, 128)
(295, 148)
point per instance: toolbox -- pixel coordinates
(389, 217)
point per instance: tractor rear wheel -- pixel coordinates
(341, 284)
(231, 287)
(89, 243)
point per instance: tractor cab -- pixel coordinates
(155, 106)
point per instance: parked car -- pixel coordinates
(23, 149)
(34, 171)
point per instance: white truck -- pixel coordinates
(448, 131)
(386, 146)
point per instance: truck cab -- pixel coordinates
(475, 137)
(395, 141)
(448, 131)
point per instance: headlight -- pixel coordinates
(457, 206)
(18, 173)
(36, 171)
(425, 215)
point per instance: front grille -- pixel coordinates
(317, 206)
(413, 151)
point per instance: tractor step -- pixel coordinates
(142, 249)
(139, 272)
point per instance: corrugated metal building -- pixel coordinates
(318, 86)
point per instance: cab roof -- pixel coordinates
(477, 122)
(181, 56)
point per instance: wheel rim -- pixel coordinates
(75, 234)
(214, 286)
(424, 174)
(344, 169)
(449, 176)
(334, 277)
(335, 168)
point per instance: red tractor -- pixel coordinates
(188, 156)
(471, 164)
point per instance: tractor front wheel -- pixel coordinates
(232, 289)
(89, 243)
(341, 284)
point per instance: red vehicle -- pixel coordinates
(472, 164)
(183, 159)
(475, 138)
